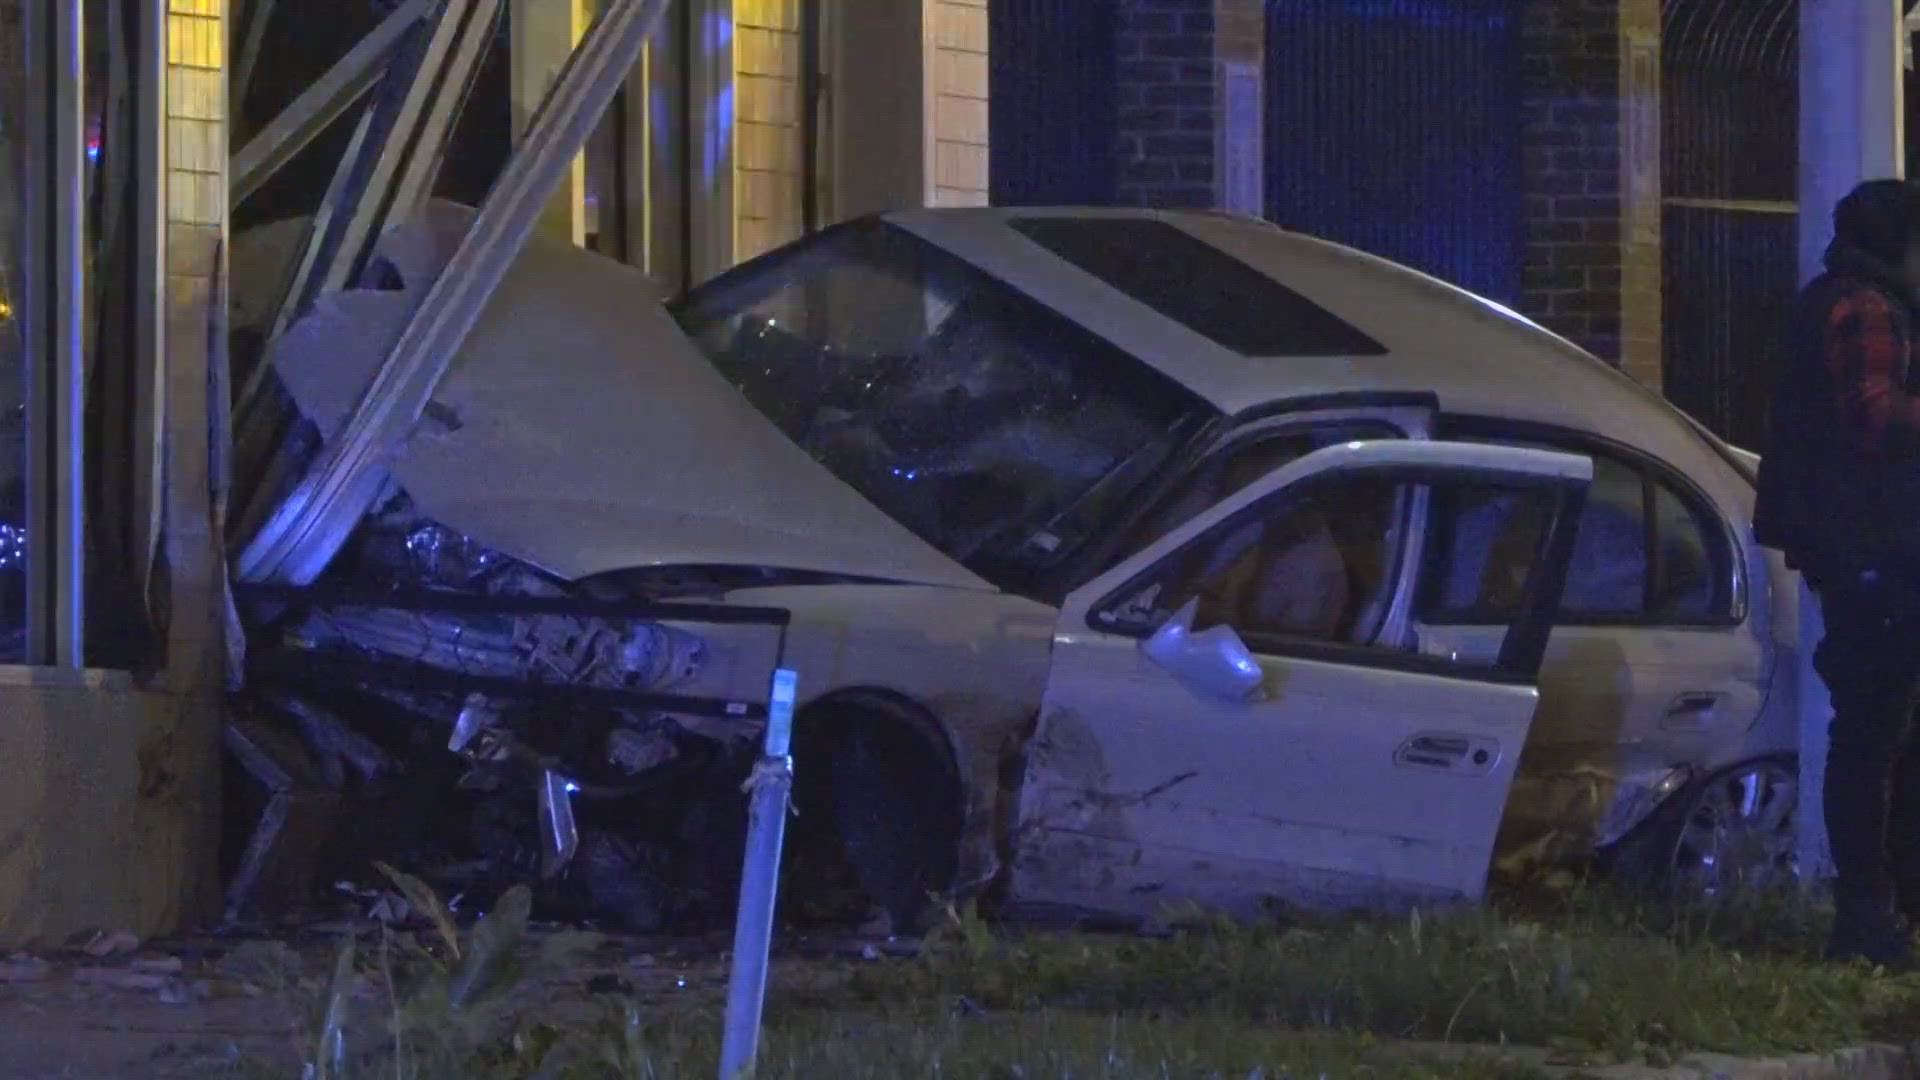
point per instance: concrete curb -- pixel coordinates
(1872, 1062)
(1876, 1062)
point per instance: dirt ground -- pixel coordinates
(60, 1029)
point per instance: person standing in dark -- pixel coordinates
(1839, 494)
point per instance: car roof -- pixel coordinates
(1475, 356)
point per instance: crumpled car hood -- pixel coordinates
(579, 430)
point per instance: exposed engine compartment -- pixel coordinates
(431, 693)
(433, 703)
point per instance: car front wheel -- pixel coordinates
(893, 795)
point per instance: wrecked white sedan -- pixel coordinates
(1124, 557)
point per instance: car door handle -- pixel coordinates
(1445, 751)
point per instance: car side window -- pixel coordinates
(1231, 469)
(1313, 571)
(1318, 568)
(1643, 553)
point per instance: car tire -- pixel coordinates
(1663, 856)
(896, 806)
(625, 889)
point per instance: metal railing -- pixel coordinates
(1729, 148)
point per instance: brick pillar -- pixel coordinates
(1190, 103)
(1572, 168)
(1641, 346)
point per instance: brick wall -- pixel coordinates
(1571, 166)
(1590, 83)
(1642, 308)
(1174, 60)
(1167, 103)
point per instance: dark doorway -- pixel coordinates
(1053, 102)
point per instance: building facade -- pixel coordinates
(756, 121)
(747, 123)
(1510, 148)
(1623, 171)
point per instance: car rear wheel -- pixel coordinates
(1737, 833)
(1728, 834)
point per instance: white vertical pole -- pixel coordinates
(56, 287)
(1852, 65)
(769, 789)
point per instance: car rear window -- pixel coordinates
(1199, 286)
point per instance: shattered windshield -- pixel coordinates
(996, 429)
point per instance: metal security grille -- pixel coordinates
(1729, 131)
(1394, 126)
(1053, 101)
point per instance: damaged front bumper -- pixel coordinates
(520, 684)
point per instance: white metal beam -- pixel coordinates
(350, 474)
(322, 103)
(387, 170)
(433, 98)
(1851, 108)
(1851, 129)
(55, 314)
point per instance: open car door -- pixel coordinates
(1234, 717)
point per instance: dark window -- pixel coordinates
(1231, 469)
(1199, 286)
(1315, 568)
(1312, 571)
(996, 429)
(1644, 554)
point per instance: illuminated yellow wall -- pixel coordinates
(957, 90)
(768, 153)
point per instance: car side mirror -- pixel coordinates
(1214, 662)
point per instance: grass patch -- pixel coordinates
(1064, 1046)
(1599, 983)
(1016, 1047)
(1597, 977)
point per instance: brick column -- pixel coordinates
(1572, 170)
(1190, 103)
(1641, 345)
